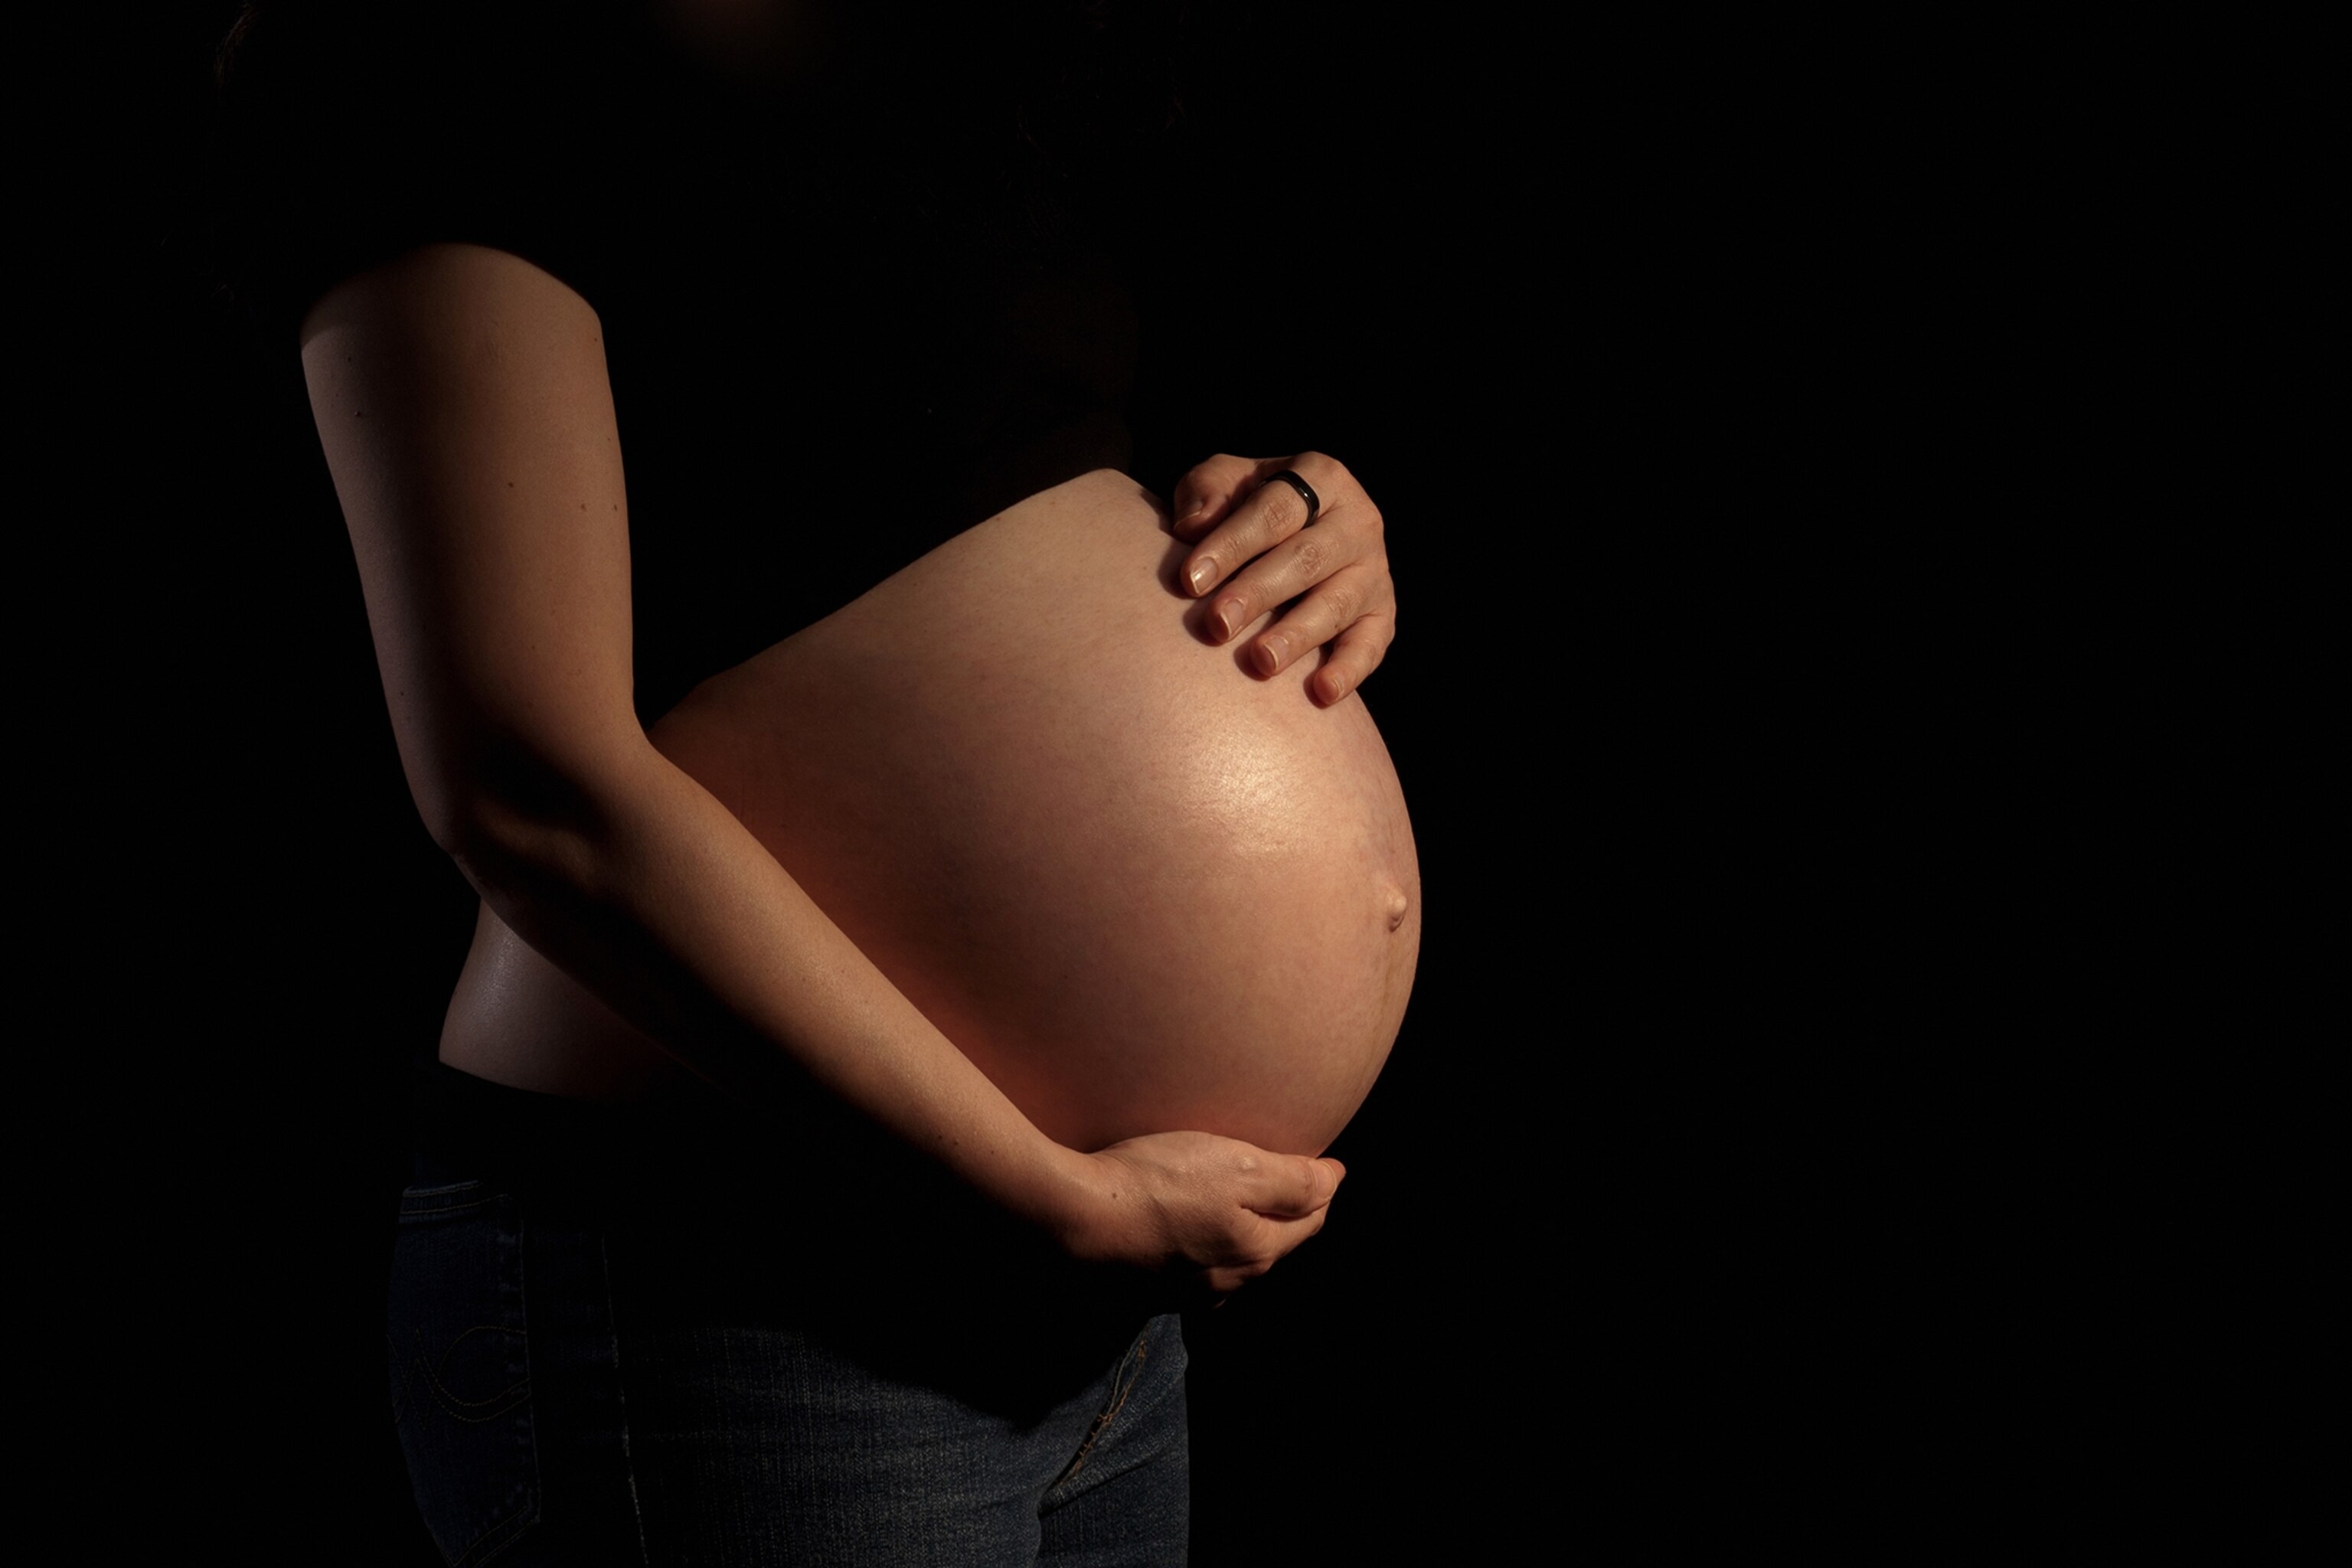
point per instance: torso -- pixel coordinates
(1141, 889)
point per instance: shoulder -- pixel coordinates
(351, 133)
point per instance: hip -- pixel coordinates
(597, 1362)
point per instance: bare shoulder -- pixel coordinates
(463, 303)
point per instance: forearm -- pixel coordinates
(646, 889)
(464, 409)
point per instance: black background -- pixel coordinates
(1695, 1201)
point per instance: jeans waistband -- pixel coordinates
(810, 1169)
(458, 1123)
(717, 1187)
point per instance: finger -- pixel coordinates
(1277, 1240)
(1353, 655)
(1264, 516)
(1208, 491)
(1340, 601)
(1288, 1233)
(1298, 563)
(1292, 1187)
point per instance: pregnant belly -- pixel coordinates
(1142, 890)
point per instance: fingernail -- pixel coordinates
(1202, 576)
(1228, 616)
(1272, 652)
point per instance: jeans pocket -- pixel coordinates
(460, 1367)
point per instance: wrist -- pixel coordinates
(1086, 1207)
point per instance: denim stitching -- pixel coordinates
(448, 1400)
(1132, 1365)
(421, 1366)
(420, 1211)
(620, 1397)
(487, 1531)
(400, 1392)
(410, 1366)
(522, 1300)
(514, 1393)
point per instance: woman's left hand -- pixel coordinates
(1253, 551)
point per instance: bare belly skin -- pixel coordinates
(1142, 889)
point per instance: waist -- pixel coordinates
(708, 1213)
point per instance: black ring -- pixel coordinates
(1305, 493)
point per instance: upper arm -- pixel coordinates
(460, 393)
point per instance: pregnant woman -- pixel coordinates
(847, 1060)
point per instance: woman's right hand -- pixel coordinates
(467, 415)
(1209, 1212)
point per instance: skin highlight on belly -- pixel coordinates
(1141, 889)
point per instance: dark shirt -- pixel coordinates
(850, 303)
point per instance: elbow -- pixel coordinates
(511, 820)
(493, 839)
(483, 841)
(454, 815)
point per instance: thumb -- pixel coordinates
(1297, 1187)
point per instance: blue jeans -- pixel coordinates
(613, 1351)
